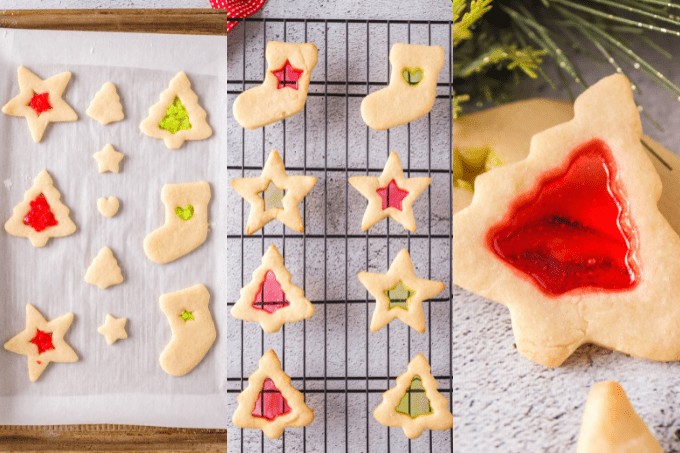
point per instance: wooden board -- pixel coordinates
(100, 438)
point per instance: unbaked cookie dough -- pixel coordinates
(104, 270)
(106, 107)
(108, 207)
(412, 88)
(113, 329)
(269, 402)
(177, 116)
(42, 342)
(193, 330)
(41, 215)
(108, 159)
(40, 102)
(186, 222)
(283, 92)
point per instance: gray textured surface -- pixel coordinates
(500, 400)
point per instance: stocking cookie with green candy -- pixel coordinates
(193, 329)
(274, 195)
(412, 88)
(42, 342)
(269, 402)
(186, 222)
(40, 101)
(41, 215)
(283, 92)
(271, 298)
(414, 404)
(571, 239)
(177, 117)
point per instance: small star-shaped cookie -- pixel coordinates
(113, 329)
(274, 188)
(42, 342)
(390, 195)
(108, 159)
(40, 102)
(408, 298)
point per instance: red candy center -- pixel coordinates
(287, 76)
(270, 297)
(392, 196)
(40, 103)
(40, 216)
(43, 340)
(574, 229)
(270, 403)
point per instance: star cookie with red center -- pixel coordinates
(571, 239)
(271, 298)
(269, 402)
(390, 194)
(40, 101)
(42, 342)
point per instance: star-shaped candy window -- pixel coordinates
(273, 197)
(270, 297)
(287, 76)
(399, 296)
(270, 403)
(40, 102)
(472, 162)
(187, 316)
(43, 340)
(571, 239)
(392, 196)
(415, 402)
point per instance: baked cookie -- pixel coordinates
(269, 402)
(390, 194)
(271, 298)
(414, 404)
(106, 107)
(571, 240)
(108, 159)
(412, 88)
(193, 329)
(113, 329)
(610, 424)
(186, 222)
(283, 92)
(108, 207)
(104, 270)
(42, 342)
(41, 215)
(40, 102)
(177, 116)
(399, 294)
(274, 195)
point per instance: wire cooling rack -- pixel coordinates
(333, 359)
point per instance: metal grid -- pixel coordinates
(351, 396)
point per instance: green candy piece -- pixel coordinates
(176, 118)
(399, 296)
(185, 213)
(186, 316)
(415, 401)
(412, 76)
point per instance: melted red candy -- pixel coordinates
(40, 103)
(40, 216)
(574, 229)
(270, 297)
(270, 403)
(287, 76)
(392, 196)
(43, 340)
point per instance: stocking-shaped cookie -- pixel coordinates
(283, 92)
(193, 330)
(186, 222)
(412, 88)
(41, 215)
(571, 239)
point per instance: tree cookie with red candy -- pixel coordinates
(269, 402)
(571, 239)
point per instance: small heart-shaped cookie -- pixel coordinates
(412, 76)
(108, 208)
(185, 213)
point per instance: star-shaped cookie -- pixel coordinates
(287, 191)
(399, 293)
(113, 329)
(42, 342)
(108, 159)
(390, 194)
(40, 102)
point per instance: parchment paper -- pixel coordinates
(123, 383)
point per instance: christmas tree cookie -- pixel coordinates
(106, 107)
(42, 342)
(283, 92)
(610, 424)
(40, 101)
(571, 239)
(399, 294)
(271, 298)
(177, 116)
(414, 404)
(104, 270)
(41, 215)
(269, 402)
(193, 330)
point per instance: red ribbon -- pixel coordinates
(238, 8)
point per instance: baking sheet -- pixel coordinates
(123, 383)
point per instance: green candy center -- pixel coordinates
(399, 296)
(415, 401)
(186, 316)
(176, 118)
(412, 76)
(185, 213)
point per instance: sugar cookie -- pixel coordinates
(108, 159)
(106, 107)
(104, 270)
(108, 207)
(113, 329)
